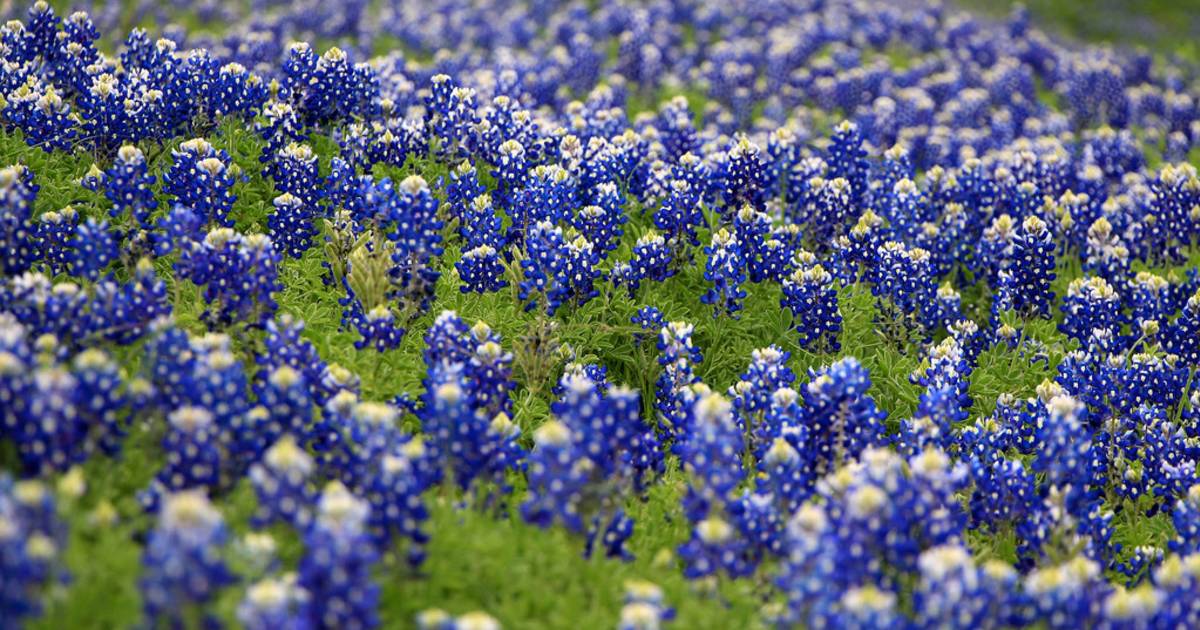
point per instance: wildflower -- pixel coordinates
(200, 179)
(335, 571)
(725, 269)
(651, 261)
(182, 564)
(94, 249)
(810, 297)
(645, 607)
(274, 602)
(31, 546)
(129, 186)
(292, 225)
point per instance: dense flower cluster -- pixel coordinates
(995, 211)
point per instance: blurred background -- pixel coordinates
(1164, 26)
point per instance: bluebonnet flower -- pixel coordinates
(180, 230)
(55, 235)
(236, 92)
(1147, 379)
(832, 211)
(335, 571)
(450, 115)
(437, 619)
(753, 393)
(556, 478)
(94, 249)
(1091, 305)
(784, 475)
(711, 454)
(279, 126)
(17, 236)
(450, 340)
(394, 492)
(193, 456)
(479, 224)
(1104, 253)
(753, 231)
(31, 544)
(295, 172)
(876, 518)
(365, 432)
(746, 179)
(557, 270)
(182, 564)
(842, 419)
(481, 270)
(281, 484)
(549, 194)
(42, 114)
(647, 318)
(288, 406)
(679, 217)
(601, 225)
(903, 284)
(50, 432)
(201, 179)
(597, 451)
(1151, 299)
(292, 224)
(956, 592)
(645, 607)
(491, 372)
(462, 190)
(846, 158)
(725, 269)
(1063, 454)
(651, 261)
(511, 169)
(1033, 267)
(678, 358)
(466, 444)
(811, 298)
(274, 602)
(1064, 594)
(1182, 336)
(417, 236)
(128, 185)
(100, 398)
(715, 547)
(239, 273)
(330, 88)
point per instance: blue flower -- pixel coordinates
(273, 603)
(56, 233)
(94, 249)
(281, 482)
(200, 179)
(725, 269)
(129, 186)
(193, 456)
(645, 607)
(651, 261)
(335, 571)
(481, 270)
(182, 567)
(31, 546)
(811, 298)
(17, 234)
(678, 358)
(292, 225)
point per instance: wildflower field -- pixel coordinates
(461, 315)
